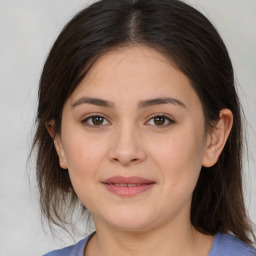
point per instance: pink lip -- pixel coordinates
(127, 186)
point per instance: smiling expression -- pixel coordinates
(133, 140)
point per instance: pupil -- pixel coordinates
(97, 120)
(159, 120)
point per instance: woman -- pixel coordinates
(139, 120)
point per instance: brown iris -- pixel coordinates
(159, 120)
(97, 120)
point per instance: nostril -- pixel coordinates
(125, 161)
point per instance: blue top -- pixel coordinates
(223, 245)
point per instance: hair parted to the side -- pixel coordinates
(190, 41)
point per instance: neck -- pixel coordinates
(180, 240)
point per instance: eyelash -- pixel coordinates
(85, 121)
(170, 121)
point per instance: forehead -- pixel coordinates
(134, 71)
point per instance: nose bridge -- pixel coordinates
(127, 146)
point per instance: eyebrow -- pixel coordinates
(93, 101)
(141, 104)
(159, 101)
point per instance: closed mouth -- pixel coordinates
(127, 186)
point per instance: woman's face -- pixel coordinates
(133, 140)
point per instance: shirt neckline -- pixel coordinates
(216, 240)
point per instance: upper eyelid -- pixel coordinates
(171, 120)
(148, 117)
(167, 116)
(161, 114)
(93, 115)
(86, 123)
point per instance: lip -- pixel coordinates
(127, 186)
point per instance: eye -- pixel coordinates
(95, 120)
(160, 121)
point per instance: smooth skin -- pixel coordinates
(125, 133)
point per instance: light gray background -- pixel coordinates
(27, 30)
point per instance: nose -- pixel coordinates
(127, 147)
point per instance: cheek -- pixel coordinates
(84, 159)
(84, 155)
(179, 159)
(179, 162)
(179, 150)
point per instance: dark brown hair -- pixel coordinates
(187, 38)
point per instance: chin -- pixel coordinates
(131, 222)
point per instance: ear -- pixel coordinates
(217, 137)
(50, 128)
(57, 144)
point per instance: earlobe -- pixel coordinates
(57, 144)
(217, 137)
